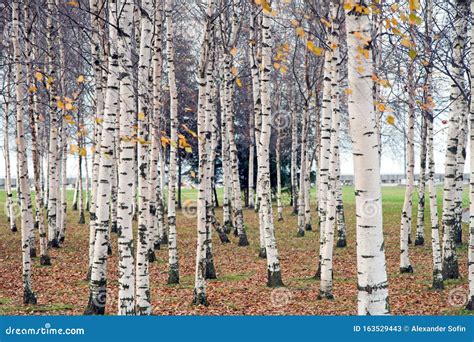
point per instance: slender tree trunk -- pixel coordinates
(405, 229)
(173, 275)
(53, 171)
(324, 155)
(278, 171)
(371, 268)
(294, 151)
(420, 222)
(470, 303)
(273, 259)
(99, 75)
(98, 281)
(126, 168)
(6, 149)
(27, 223)
(144, 247)
(458, 107)
(326, 285)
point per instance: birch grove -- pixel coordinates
(169, 152)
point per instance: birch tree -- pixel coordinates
(457, 110)
(371, 266)
(27, 223)
(173, 271)
(126, 167)
(98, 281)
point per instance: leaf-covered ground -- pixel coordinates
(240, 288)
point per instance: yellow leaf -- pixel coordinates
(381, 107)
(60, 104)
(50, 80)
(141, 116)
(348, 91)
(239, 82)
(32, 89)
(38, 76)
(234, 71)
(73, 3)
(391, 120)
(82, 152)
(73, 149)
(80, 79)
(69, 106)
(233, 51)
(300, 32)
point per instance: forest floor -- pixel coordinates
(240, 288)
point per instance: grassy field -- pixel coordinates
(240, 287)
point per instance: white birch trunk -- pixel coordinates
(371, 267)
(457, 109)
(98, 281)
(173, 272)
(126, 168)
(27, 223)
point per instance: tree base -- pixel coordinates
(96, 306)
(407, 269)
(54, 243)
(200, 299)
(236, 232)
(308, 227)
(151, 255)
(223, 237)
(113, 227)
(227, 227)
(341, 243)
(450, 268)
(409, 239)
(74, 206)
(243, 241)
(89, 273)
(157, 246)
(438, 284)
(33, 252)
(300, 233)
(173, 274)
(280, 218)
(317, 275)
(13, 228)
(109, 249)
(36, 226)
(82, 219)
(470, 304)
(164, 239)
(262, 253)
(29, 297)
(210, 270)
(274, 279)
(325, 295)
(61, 239)
(45, 260)
(419, 241)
